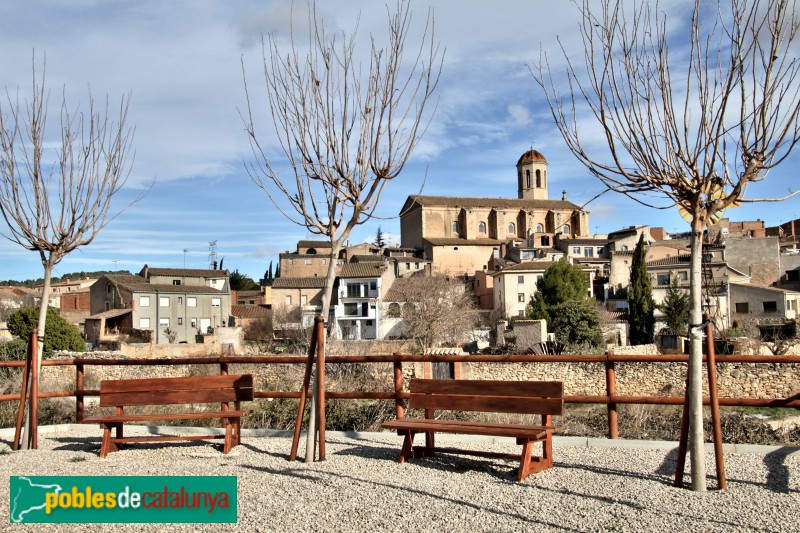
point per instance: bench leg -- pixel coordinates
(228, 436)
(529, 463)
(107, 445)
(407, 451)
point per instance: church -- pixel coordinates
(461, 236)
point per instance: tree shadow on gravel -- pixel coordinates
(405, 490)
(777, 471)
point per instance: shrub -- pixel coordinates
(60, 335)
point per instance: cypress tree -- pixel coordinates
(640, 298)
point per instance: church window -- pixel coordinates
(566, 229)
(539, 228)
(545, 240)
(538, 178)
(512, 230)
(454, 227)
(482, 227)
(528, 176)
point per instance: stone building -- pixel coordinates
(460, 235)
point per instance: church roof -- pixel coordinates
(498, 203)
(531, 155)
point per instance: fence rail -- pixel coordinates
(395, 390)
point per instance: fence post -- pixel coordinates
(399, 410)
(711, 366)
(611, 390)
(321, 387)
(33, 438)
(79, 384)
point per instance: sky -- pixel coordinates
(182, 62)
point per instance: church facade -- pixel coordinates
(462, 235)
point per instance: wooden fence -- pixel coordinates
(394, 391)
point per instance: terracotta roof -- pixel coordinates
(535, 266)
(370, 269)
(397, 292)
(508, 203)
(462, 242)
(531, 155)
(674, 260)
(250, 311)
(584, 240)
(367, 258)
(187, 272)
(313, 244)
(774, 289)
(111, 313)
(298, 283)
(408, 259)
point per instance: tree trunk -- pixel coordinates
(40, 327)
(695, 381)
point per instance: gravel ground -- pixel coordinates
(361, 487)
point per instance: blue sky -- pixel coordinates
(181, 60)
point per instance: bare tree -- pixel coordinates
(341, 135)
(693, 129)
(436, 310)
(55, 204)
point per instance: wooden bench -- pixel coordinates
(121, 393)
(545, 398)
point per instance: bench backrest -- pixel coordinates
(524, 397)
(163, 391)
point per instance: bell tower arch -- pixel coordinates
(532, 176)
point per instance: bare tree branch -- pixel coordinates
(693, 129)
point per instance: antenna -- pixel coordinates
(212, 255)
(185, 251)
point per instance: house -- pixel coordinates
(310, 260)
(297, 300)
(170, 304)
(361, 285)
(461, 235)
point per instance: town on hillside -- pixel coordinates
(498, 249)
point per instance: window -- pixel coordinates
(521, 297)
(373, 285)
(416, 266)
(663, 279)
(351, 309)
(191, 301)
(482, 227)
(538, 178)
(163, 301)
(454, 227)
(521, 313)
(288, 300)
(369, 322)
(353, 290)
(565, 229)
(588, 251)
(163, 322)
(528, 178)
(144, 301)
(109, 288)
(545, 240)
(770, 307)
(394, 310)
(144, 323)
(683, 275)
(576, 250)
(180, 321)
(512, 229)
(408, 266)
(307, 261)
(176, 282)
(193, 322)
(303, 300)
(180, 300)
(599, 251)
(742, 308)
(539, 228)
(521, 279)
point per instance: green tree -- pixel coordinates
(60, 335)
(240, 282)
(562, 282)
(379, 240)
(675, 308)
(577, 323)
(640, 298)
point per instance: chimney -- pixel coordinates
(564, 195)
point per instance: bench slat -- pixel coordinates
(186, 383)
(164, 397)
(470, 428)
(499, 404)
(481, 387)
(195, 415)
